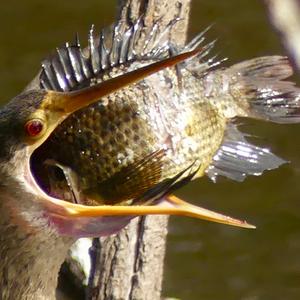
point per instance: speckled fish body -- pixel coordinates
(179, 121)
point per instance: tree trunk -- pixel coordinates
(129, 265)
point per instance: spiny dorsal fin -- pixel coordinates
(73, 67)
(237, 158)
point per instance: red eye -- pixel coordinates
(34, 127)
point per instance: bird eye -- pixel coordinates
(34, 127)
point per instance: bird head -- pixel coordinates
(26, 123)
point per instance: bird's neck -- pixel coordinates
(31, 253)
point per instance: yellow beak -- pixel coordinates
(57, 106)
(171, 205)
(69, 102)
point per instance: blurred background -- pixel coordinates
(204, 261)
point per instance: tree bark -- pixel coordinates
(129, 265)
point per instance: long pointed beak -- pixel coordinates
(171, 205)
(70, 102)
(58, 105)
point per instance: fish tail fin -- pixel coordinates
(259, 87)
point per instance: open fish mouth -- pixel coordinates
(70, 218)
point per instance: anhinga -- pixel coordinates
(33, 226)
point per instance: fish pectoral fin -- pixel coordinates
(133, 180)
(171, 205)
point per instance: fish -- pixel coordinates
(140, 144)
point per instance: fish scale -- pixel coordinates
(100, 141)
(178, 119)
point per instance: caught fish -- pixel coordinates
(141, 143)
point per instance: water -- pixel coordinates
(204, 261)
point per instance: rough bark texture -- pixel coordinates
(129, 265)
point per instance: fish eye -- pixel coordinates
(35, 128)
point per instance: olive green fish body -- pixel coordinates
(178, 119)
(102, 141)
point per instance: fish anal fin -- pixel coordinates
(237, 158)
